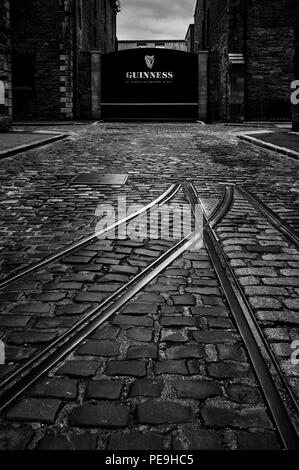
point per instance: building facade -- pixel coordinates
(50, 43)
(5, 66)
(251, 56)
(190, 38)
(178, 45)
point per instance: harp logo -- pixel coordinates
(149, 60)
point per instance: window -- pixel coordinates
(160, 45)
(141, 44)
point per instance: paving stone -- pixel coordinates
(265, 303)
(145, 351)
(78, 259)
(203, 290)
(67, 285)
(79, 368)
(103, 415)
(210, 311)
(257, 441)
(181, 321)
(131, 270)
(91, 297)
(72, 309)
(10, 297)
(173, 336)
(197, 389)
(147, 388)
(290, 272)
(136, 441)
(106, 332)
(149, 253)
(15, 353)
(256, 272)
(61, 322)
(177, 272)
(153, 412)
(115, 278)
(249, 281)
(200, 439)
(286, 317)
(98, 348)
(66, 389)
(108, 261)
(219, 413)
(130, 368)
(214, 336)
(126, 320)
(81, 277)
(15, 438)
(40, 308)
(234, 352)
(282, 349)
(104, 390)
(14, 321)
(140, 334)
(281, 281)
(222, 323)
(277, 334)
(292, 304)
(241, 393)
(204, 282)
(151, 298)
(137, 308)
(30, 337)
(171, 310)
(185, 352)
(50, 296)
(107, 288)
(171, 367)
(73, 442)
(184, 300)
(42, 410)
(228, 369)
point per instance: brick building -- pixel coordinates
(175, 44)
(5, 65)
(251, 60)
(51, 42)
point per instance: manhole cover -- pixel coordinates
(96, 179)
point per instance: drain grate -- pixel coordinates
(98, 179)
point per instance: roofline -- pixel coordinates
(152, 40)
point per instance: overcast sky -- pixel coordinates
(154, 19)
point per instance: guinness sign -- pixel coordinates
(150, 84)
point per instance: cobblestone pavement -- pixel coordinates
(170, 370)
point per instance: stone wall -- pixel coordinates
(48, 38)
(269, 58)
(259, 32)
(211, 32)
(5, 66)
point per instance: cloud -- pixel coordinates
(154, 19)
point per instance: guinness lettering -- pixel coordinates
(149, 75)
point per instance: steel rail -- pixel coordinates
(165, 197)
(273, 218)
(33, 370)
(251, 335)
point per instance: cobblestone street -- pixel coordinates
(169, 369)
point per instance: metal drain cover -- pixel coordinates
(98, 179)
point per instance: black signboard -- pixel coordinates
(150, 84)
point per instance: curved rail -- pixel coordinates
(164, 198)
(252, 336)
(274, 219)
